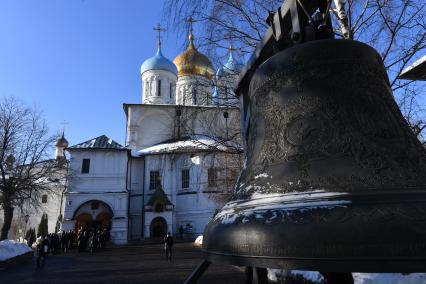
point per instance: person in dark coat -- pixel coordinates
(181, 232)
(42, 251)
(168, 246)
(64, 241)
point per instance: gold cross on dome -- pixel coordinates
(190, 21)
(191, 36)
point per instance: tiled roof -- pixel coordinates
(101, 142)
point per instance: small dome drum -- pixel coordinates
(334, 178)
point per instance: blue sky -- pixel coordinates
(79, 60)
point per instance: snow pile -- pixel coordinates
(10, 249)
(280, 274)
(359, 278)
(389, 278)
(313, 276)
(199, 241)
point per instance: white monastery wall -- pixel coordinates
(107, 171)
(148, 125)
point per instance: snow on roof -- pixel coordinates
(101, 142)
(416, 71)
(190, 143)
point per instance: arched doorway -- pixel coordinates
(93, 214)
(158, 227)
(83, 221)
(103, 220)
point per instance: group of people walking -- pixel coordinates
(92, 239)
(86, 239)
(52, 244)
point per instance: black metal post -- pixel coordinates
(198, 272)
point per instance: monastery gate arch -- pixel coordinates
(93, 213)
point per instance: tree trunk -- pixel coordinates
(8, 215)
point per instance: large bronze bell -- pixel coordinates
(334, 178)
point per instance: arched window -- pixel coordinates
(151, 86)
(159, 88)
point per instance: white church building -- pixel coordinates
(180, 160)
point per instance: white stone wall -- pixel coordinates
(107, 171)
(194, 90)
(35, 211)
(136, 199)
(105, 182)
(148, 125)
(35, 208)
(194, 205)
(150, 81)
(225, 90)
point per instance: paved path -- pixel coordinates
(129, 264)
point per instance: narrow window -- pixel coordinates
(194, 96)
(85, 167)
(148, 90)
(44, 198)
(185, 178)
(159, 88)
(212, 177)
(154, 180)
(171, 90)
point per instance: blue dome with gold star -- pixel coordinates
(159, 62)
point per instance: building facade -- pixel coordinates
(181, 157)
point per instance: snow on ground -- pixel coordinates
(389, 278)
(199, 241)
(359, 278)
(10, 249)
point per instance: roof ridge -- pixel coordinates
(99, 142)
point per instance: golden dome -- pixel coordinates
(192, 62)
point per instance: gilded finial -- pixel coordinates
(230, 48)
(159, 30)
(191, 36)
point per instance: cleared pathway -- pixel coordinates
(128, 264)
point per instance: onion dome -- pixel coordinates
(231, 67)
(61, 141)
(192, 62)
(159, 62)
